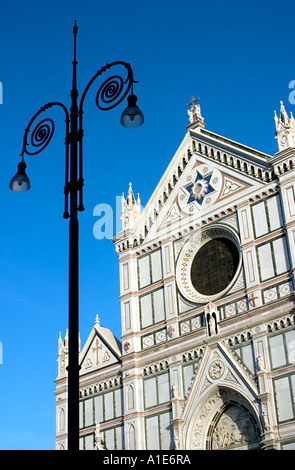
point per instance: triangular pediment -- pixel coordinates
(205, 189)
(219, 368)
(220, 382)
(101, 349)
(207, 175)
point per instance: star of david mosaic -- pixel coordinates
(199, 189)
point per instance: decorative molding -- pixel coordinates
(155, 367)
(100, 386)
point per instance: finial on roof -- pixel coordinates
(194, 114)
(97, 320)
(193, 101)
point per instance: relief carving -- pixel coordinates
(216, 370)
(234, 428)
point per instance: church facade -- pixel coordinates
(207, 353)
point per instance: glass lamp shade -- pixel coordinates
(132, 116)
(20, 183)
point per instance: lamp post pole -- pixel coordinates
(110, 94)
(73, 365)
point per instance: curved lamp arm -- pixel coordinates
(43, 131)
(111, 92)
(109, 95)
(40, 138)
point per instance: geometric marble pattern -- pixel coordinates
(161, 336)
(148, 341)
(242, 306)
(239, 306)
(196, 323)
(185, 327)
(154, 338)
(276, 292)
(270, 294)
(285, 289)
(190, 325)
(230, 310)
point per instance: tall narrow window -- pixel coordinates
(62, 419)
(131, 437)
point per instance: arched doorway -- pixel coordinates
(233, 427)
(223, 419)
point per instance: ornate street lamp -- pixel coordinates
(111, 93)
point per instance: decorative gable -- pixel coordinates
(101, 349)
(220, 377)
(207, 175)
(206, 188)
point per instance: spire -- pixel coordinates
(130, 196)
(283, 115)
(285, 129)
(60, 344)
(276, 119)
(131, 209)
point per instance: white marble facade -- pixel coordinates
(207, 354)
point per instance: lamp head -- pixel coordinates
(20, 183)
(132, 115)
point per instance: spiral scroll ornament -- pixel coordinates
(111, 93)
(41, 135)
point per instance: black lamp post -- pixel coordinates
(112, 91)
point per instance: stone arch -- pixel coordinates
(201, 432)
(233, 427)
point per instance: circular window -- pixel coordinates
(214, 266)
(209, 264)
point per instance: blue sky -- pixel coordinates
(237, 57)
